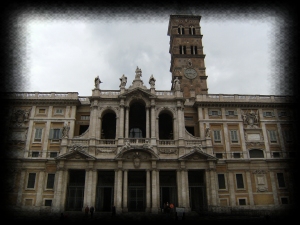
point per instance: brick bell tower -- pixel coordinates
(187, 58)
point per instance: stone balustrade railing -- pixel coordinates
(107, 93)
(42, 95)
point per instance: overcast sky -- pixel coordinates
(66, 55)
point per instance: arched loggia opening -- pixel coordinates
(108, 125)
(137, 120)
(165, 126)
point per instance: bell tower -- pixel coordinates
(187, 58)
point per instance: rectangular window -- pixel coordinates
(55, 134)
(85, 117)
(239, 181)
(292, 154)
(214, 112)
(288, 135)
(50, 181)
(221, 181)
(58, 111)
(188, 118)
(280, 179)
(35, 154)
(231, 112)
(272, 135)
(236, 155)
(276, 154)
(284, 201)
(268, 114)
(219, 155)
(53, 154)
(234, 136)
(242, 201)
(48, 202)
(42, 111)
(282, 114)
(38, 134)
(31, 180)
(217, 136)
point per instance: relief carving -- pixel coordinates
(167, 150)
(20, 116)
(250, 118)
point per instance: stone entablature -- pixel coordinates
(42, 95)
(243, 98)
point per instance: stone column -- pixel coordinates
(88, 187)
(265, 134)
(184, 188)
(208, 191)
(115, 187)
(227, 140)
(243, 140)
(179, 188)
(148, 191)
(100, 127)
(93, 119)
(280, 136)
(147, 122)
(125, 191)
(121, 122)
(94, 186)
(231, 184)
(249, 186)
(200, 123)
(153, 138)
(40, 188)
(64, 188)
(127, 122)
(180, 121)
(21, 187)
(157, 190)
(274, 188)
(31, 128)
(213, 186)
(154, 209)
(59, 177)
(119, 192)
(72, 121)
(187, 190)
(46, 139)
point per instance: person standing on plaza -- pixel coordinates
(92, 209)
(113, 211)
(86, 211)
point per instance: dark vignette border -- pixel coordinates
(13, 46)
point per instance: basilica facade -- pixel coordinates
(137, 148)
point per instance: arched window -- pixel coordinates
(194, 50)
(135, 133)
(180, 29)
(192, 30)
(182, 49)
(256, 153)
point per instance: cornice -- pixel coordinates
(38, 102)
(242, 104)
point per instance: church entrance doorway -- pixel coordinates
(136, 191)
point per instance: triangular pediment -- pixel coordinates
(76, 155)
(197, 154)
(139, 92)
